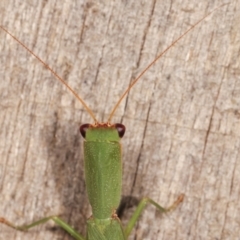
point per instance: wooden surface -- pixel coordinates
(182, 118)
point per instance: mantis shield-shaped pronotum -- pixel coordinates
(103, 171)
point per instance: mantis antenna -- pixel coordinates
(156, 59)
(55, 74)
(130, 86)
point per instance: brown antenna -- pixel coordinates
(54, 73)
(156, 59)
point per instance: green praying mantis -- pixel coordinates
(103, 170)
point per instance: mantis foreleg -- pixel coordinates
(56, 219)
(141, 207)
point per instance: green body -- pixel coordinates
(103, 174)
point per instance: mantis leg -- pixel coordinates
(56, 219)
(141, 207)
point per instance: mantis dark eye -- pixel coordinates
(83, 128)
(121, 129)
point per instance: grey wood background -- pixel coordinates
(182, 118)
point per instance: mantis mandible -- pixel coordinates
(103, 170)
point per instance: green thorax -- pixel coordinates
(103, 170)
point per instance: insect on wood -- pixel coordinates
(103, 203)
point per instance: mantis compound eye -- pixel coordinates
(121, 129)
(83, 129)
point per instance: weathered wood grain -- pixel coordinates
(182, 118)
